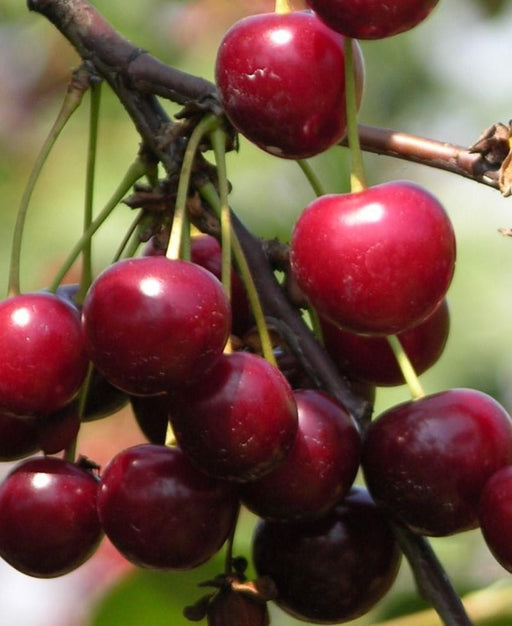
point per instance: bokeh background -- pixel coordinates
(448, 79)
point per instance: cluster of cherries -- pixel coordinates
(153, 331)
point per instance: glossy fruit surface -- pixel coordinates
(495, 515)
(377, 261)
(239, 421)
(281, 81)
(320, 468)
(372, 19)
(43, 359)
(160, 511)
(333, 569)
(371, 359)
(18, 437)
(428, 460)
(150, 323)
(49, 524)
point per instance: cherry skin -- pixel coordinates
(378, 261)
(19, 437)
(333, 569)
(372, 19)
(238, 422)
(151, 323)
(371, 359)
(427, 460)
(160, 512)
(49, 524)
(152, 416)
(281, 81)
(495, 515)
(320, 468)
(43, 359)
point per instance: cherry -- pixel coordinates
(151, 323)
(427, 460)
(378, 261)
(103, 399)
(43, 358)
(371, 359)
(49, 524)
(239, 421)
(333, 569)
(372, 19)
(19, 437)
(152, 416)
(495, 515)
(281, 81)
(319, 470)
(59, 430)
(160, 512)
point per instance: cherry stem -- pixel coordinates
(357, 175)
(406, 367)
(283, 6)
(313, 179)
(135, 171)
(79, 83)
(131, 239)
(228, 563)
(206, 125)
(209, 193)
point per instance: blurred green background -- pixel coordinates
(448, 79)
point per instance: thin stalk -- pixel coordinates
(408, 372)
(72, 101)
(135, 171)
(131, 240)
(206, 125)
(357, 175)
(283, 6)
(209, 194)
(228, 562)
(313, 179)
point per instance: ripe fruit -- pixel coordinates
(151, 323)
(281, 81)
(378, 261)
(372, 19)
(495, 515)
(371, 359)
(18, 436)
(320, 468)
(239, 421)
(43, 359)
(49, 524)
(160, 511)
(428, 460)
(333, 569)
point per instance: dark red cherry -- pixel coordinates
(428, 460)
(152, 416)
(372, 19)
(160, 511)
(320, 468)
(495, 516)
(43, 360)
(281, 81)
(49, 524)
(333, 569)
(103, 399)
(239, 421)
(371, 359)
(378, 261)
(59, 430)
(19, 436)
(151, 323)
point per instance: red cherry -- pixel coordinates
(372, 19)
(151, 323)
(371, 359)
(43, 359)
(320, 468)
(49, 524)
(377, 261)
(18, 436)
(428, 460)
(281, 81)
(161, 512)
(239, 421)
(333, 569)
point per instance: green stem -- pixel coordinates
(86, 275)
(228, 563)
(131, 240)
(135, 171)
(72, 100)
(209, 194)
(313, 179)
(408, 372)
(357, 175)
(206, 125)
